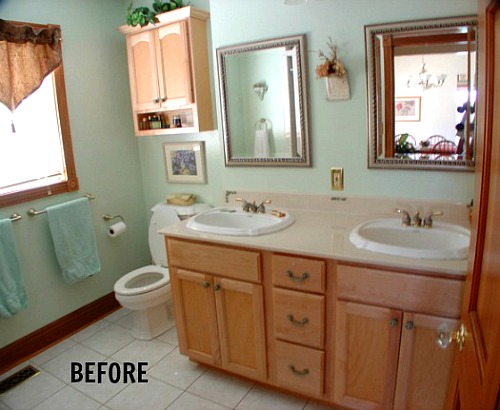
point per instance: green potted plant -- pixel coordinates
(140, 16)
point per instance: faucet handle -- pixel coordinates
(405, 218)
(417, 220)
(261, 209)
(247, 206)
(428, 219)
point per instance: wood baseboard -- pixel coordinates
(41, 339)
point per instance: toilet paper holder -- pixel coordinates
(108, 217)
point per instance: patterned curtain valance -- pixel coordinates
(27, 56)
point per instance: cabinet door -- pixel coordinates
(424, 368)
(366, 355)
(240, 314)
(143, 71)
(174, 63)
(194, 305)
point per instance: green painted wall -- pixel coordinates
(106, 155)
(338, 128)
(127, 174)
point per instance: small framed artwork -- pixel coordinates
(185, 162)
(407, 109)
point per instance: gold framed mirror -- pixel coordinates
(422, 91)
(263, 95)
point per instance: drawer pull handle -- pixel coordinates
(297, 279)
(304, 372)
(298, 323)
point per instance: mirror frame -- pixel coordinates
(376, 109)
(298, 41)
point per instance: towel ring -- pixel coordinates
(262, 122)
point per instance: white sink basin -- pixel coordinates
(233, 221)
(388, 236)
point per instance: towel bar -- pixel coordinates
(15, 217)
(34, 212)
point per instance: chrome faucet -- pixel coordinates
(405, 216)
(247, 206)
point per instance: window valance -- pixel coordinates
(27, 56)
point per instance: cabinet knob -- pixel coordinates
(156, 100)
(205, 284)
(409, 325)
(393, 323)
(297, 279)
(298, 323)
(217, 287)
(303, 372)
(446, 336)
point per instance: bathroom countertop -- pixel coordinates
(324, 234)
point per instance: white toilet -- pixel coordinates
(146, 291)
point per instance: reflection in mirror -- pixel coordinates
(263, 96)
(422, 81)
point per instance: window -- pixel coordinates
(36, 156)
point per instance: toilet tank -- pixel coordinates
(165, 215)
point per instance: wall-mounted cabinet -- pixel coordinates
(169, 74)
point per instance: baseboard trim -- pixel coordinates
(48, 335)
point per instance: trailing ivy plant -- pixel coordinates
(161, 6)
(140, 16)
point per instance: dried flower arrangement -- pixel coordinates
(331, 65)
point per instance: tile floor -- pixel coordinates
(174, 382)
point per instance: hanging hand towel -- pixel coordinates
(12, 293)
(261, 146)
(74, 239)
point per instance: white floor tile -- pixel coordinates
(261, 397)
(153, 395)
(188, 401)
(170, 336)
(109, 340)
(89, 330)
(177, 370)
(68, 399)
(101, 392)
(60, 366)
(220, 388)
(52, 352)
(117, 315)
(32, 392)
(143, 351)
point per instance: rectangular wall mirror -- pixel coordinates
(263, 94)
(422, 85)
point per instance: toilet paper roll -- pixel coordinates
(117, 229)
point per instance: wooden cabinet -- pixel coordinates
(298, 304)
(350, 335)
(219, 312)
(169, 73)
(386, 355)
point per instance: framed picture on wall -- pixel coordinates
(407, 109)
(185, 162)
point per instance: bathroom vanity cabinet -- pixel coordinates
(352, 334)
(169, 75)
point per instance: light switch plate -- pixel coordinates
(337, 179)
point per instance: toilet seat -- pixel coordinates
(142, 280)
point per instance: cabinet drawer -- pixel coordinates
(298, 273)
(299, 368)
(219, 260)
(299, 317)
(403, 291)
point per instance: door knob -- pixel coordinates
(446, 336)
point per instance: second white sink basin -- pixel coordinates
(233, 221)
(388, 236)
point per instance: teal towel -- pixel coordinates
(74, 239)
(12, 294)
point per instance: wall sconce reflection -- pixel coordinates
(260, 89)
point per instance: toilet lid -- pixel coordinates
(142, 280)
(163, 216)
